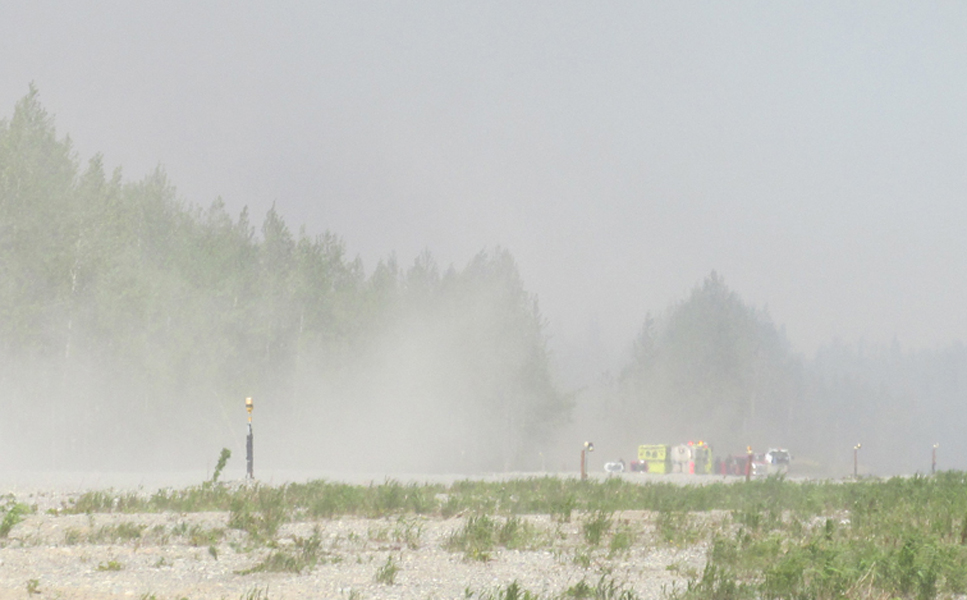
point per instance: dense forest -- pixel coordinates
(714, 368)
(133, 324)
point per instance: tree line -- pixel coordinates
(133, 324)
(712, 367)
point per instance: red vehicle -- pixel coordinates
(734, 464)
(775, 461)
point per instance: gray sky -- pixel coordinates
(812, 153)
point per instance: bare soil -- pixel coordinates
(196, 555)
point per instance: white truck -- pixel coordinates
(774, 462)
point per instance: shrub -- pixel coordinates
(386, 573)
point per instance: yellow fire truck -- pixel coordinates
(694, 458)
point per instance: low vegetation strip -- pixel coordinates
(542, 495)
(773, 538)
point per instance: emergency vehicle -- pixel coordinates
(694, 458)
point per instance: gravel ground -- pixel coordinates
(196, 555)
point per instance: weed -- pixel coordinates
(256, 593)
(682, 568)
(582, 559)
(13, 513)
(386, 573)
(513, 591)
(451, 506)
(220, 466)
(378, 534)
(389, 498)
(511, 533)
(759, 516)
(561, 508)
(622, 540)
(104, 501)
(160, 532)
(304, 554)
(595, 526)
(716, 583)
(198, 536)
(480, 534)
(73, 536)
(111, 565)
(476, 538)
(520, 534)
(180, 529)
(33, 586)
(408, 532)
(118, 532)
(677, 528)
(605, 589)
(259, 511)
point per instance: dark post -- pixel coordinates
(249, 443)
(748, 463)
(856, 452)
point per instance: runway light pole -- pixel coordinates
(933, 460)
(249, 443)
(856, 452)
(588, 447)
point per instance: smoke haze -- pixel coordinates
(811, 154)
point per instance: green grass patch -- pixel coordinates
(302, 555)
(13, 512)
(115, 533)
(481, 534)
